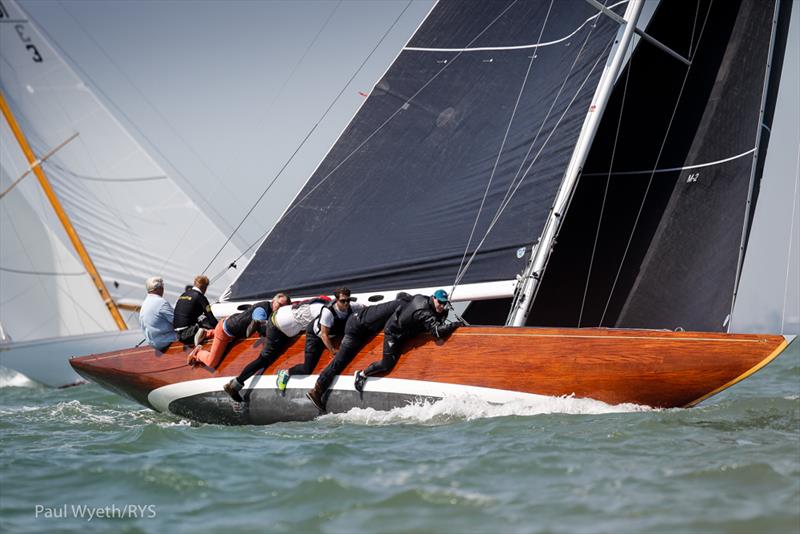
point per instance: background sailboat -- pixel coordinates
(132, 218)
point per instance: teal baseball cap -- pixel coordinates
(441, 296)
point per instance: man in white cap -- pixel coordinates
(156, 315)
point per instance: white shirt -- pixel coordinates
(326, 317)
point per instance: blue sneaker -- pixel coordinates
(282, 380)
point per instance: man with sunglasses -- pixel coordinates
(328, 324)
(422, 313)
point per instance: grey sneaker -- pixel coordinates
(199, 336)
(232, 389)
(359, 378)
(282, 380)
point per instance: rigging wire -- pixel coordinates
(514, 187)
(791, 234)
(605, 191)
(517, 180)
(506, 199)
(291, 158)
(374, 132)
(268, 107)
(503, 144)
(652, 174)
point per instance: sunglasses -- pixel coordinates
(344, 301)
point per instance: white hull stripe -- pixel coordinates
(673, 169)
(162, 397)
(517, 47)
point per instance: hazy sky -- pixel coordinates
(222, 94)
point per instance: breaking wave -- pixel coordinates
(469, 407)
(12, 379)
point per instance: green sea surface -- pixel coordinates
(85, 460)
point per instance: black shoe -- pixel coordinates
(252, 328)
(359, 380)
(315, 396)
(232, 391)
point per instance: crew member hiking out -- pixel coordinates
(238, 325)
(329, 324)
(194, 320)
(422, 313)
(282, 326)
(360, 326)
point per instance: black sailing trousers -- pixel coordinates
(392, 345)
(355, 335)
(276, 343)
(314, 349)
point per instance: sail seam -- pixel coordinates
(673, 169)
(41, 273)
(508, 48)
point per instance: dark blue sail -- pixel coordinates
(431, 151)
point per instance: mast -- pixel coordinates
(541, 252)
(62, 215)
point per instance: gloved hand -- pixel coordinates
(449, 328)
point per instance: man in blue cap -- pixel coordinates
(421, 313)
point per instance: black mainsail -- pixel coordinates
(477, 116)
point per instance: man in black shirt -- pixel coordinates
(194, 320)
(420, 314)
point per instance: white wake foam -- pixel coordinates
(469, 407)
(12, 379)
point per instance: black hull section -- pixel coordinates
(268, 406)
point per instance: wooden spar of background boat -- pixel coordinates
(460, 164)
(647, 367)
(71, 276)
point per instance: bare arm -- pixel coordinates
(323, 335)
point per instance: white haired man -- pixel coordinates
(156, 316)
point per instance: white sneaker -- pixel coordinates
(199, 336)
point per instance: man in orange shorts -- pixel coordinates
(238, 325)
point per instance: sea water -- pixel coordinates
(83, 459)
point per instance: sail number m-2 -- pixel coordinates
(692, 177)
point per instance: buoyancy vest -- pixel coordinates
(337, 328)
(236, 325)
(415, 317)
